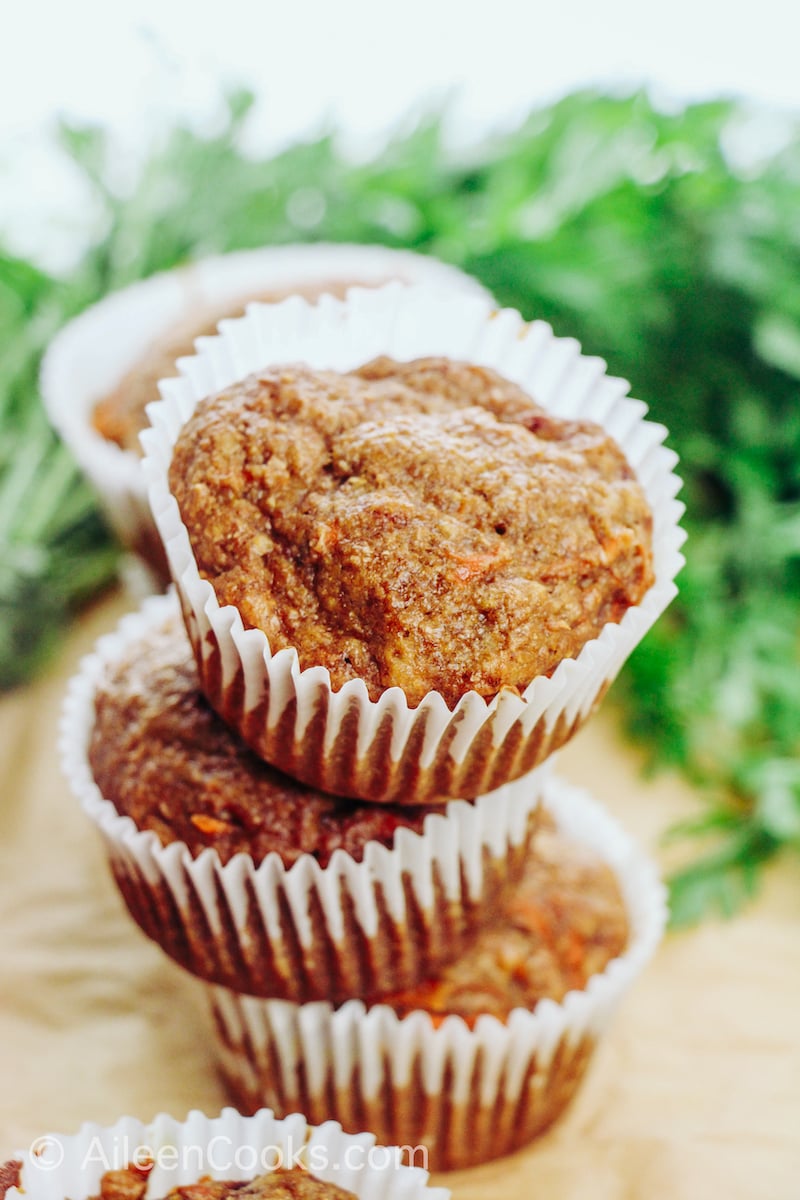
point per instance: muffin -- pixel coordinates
(202, 1158)
(104, 366)
(250, 879)
(419, 525)
(408, 579)
(120, 415)
(287, 1183)
(482, 1057)
(162, 756)
(563, 923)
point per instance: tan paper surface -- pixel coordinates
(695, 1093)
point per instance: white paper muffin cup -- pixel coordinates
(469, 1095)
(92, 353)
(230, 1147)
(306, 932)
(385, 750)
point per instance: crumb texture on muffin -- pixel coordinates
(164, 758)
(295, 1183)
(423, 524)
(564, 923)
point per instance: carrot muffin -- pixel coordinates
(285, 1160)
(294, 1183)
(163, 757)
(120, 416)
(486, 1052)
(563, 924)
(254, 881)
(423, 525)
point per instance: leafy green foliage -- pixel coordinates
(665, 242)
(54, 548)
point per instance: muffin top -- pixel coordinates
(163, 757)
(564, 923)
(424, 525)
(120, 416)
(295, 1183)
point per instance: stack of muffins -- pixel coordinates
(404, 584)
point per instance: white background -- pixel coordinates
(364, 65)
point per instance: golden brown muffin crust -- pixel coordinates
(161, 755)
(296, 1183)
(289, 1184)
(423, 524)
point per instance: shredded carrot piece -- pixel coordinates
(574, 951)
(327, 538)
(470, 565)
(530, 915)
(209, 825)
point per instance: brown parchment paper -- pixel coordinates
(695, 1093)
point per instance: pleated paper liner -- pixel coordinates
(384, 750)
(469, 1095)
(92, 353)
(306, 932)
(230, 1147)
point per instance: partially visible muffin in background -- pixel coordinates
(103, 367)
(120, 416)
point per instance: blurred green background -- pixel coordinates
(667, 242)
